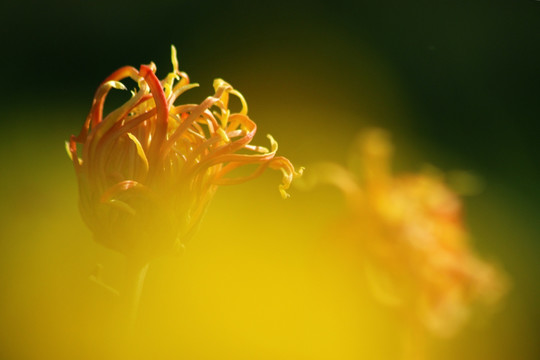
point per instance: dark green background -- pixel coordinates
(469, 69)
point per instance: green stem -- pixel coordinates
(135, 275)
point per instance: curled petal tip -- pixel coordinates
(174, 59)
(117, 85)
(283, 192)
(68, 150)
(273, 143)
(244, 110)
(219, 82)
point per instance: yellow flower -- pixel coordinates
(412, 239)
(148, 169)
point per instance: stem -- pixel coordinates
(130, 296)
(135, 275)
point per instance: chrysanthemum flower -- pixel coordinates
(413, 240)
(148, 169)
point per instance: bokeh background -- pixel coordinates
(456, 83)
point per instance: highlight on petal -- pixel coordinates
(140, 150)
(116, 85)
(149, 168)
(68, 150)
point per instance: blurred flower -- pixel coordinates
(412, 239)
(148, 169)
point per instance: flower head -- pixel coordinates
(413, 240)
(148, 169)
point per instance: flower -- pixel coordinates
(413, 241)
(147, 170)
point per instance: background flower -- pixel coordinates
(412, 239)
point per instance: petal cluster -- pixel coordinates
(413, 240)
(147, 169)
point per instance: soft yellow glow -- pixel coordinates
(262, 278)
